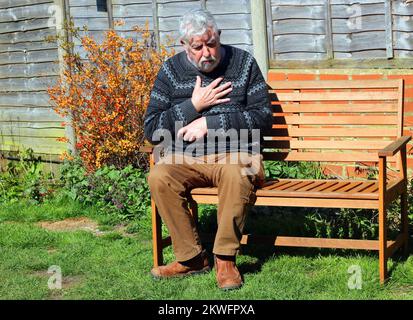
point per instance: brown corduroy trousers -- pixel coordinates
(234, 174)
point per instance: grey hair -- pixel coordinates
(195, 23)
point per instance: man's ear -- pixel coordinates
(219, 32)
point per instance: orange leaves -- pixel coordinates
(106, 96)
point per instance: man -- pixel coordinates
(209, 89)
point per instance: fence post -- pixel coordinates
(61, 14)
(259, 34)
(389, 28)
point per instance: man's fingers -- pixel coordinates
(222, 101)
(224, 86)
(188, 137)
(214, 83)
(198, 82)
(223, 93)
(181, 132)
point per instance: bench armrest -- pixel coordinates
(146, 147)
(394, 147)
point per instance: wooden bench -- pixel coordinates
(330, 121)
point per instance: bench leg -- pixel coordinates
(156, 236)
(405, 223)
(382, 221)
(383, 244)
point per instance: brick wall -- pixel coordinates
(360, 170)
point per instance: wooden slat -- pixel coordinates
(312, 186)
(289, 185)
(248, 239)
(340, 186)
(293, 186)
(343, 120)
(344, 107)
(373, 188)
(328, 194)
(361, 187)
(333, 189)
(336, 132)
(325, 243)
(299, 202)
(322, 144)
(278, 185)
(336, 84)
(328, 189)
(336, 96)
(351, 186)
(303, 184)
(317, 202)
(323, 156)
(323, 186)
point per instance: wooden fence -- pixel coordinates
(29, 64)
(296, 30)
(339, 29)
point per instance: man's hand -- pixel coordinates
(203, 97)
(193, 131)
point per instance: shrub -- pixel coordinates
(292, 170)
(106, 95)
(122, 193)
(25, 179)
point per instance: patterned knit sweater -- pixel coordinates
(170, 100)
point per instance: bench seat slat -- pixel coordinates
(351, 186)
(276, 185)
(328, 189)
(287, 186)
(302, 185)
(312, 186)
(326, 185)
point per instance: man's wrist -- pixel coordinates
(197, 107)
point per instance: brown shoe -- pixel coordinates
(228, 276)
(196, 265)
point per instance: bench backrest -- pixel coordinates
(334, 121)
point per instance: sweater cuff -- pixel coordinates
(189, 111)
(213, 122)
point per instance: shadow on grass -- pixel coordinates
(270, 222)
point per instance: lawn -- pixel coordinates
(101, 258)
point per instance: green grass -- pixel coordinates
(116, 266)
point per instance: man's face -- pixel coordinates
(204, 51)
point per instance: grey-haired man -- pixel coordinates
(209, 87)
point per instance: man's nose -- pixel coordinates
(205, 51)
